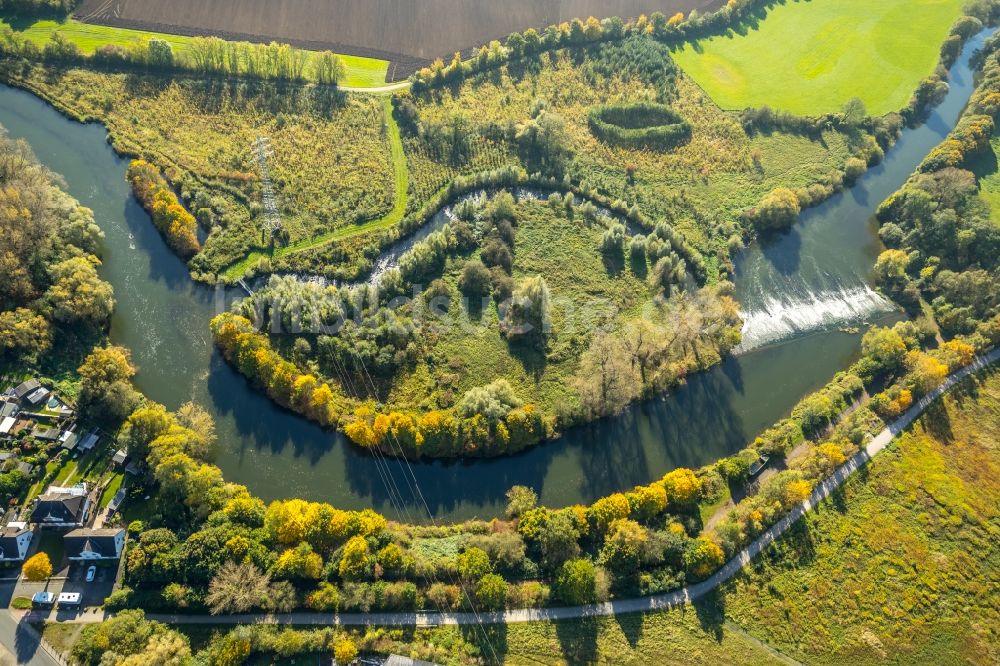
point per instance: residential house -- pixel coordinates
(62, 507)
(7, 425)
(8, 409)
(91, 545)
(25, 389)
(14, 542)
(120, 457)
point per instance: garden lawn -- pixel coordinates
(360, 72)
(811, 57)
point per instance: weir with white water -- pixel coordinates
(163, 318)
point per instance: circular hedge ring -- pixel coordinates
(639, 125)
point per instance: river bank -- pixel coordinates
(163, 318)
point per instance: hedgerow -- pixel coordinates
(639, 124)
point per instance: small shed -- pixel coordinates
(24, 389)
(89, 441)
(120, 457)
(69, 440)
(38, 396)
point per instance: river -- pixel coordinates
(798, 291)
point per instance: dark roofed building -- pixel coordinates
(88, 544)
(61, 507)
(14, 542)
(8, 409)
(26, 388)
(48, 434)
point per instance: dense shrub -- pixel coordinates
(172, 220)
(639, 125)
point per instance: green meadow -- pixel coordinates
(361, 72)
(809, 57)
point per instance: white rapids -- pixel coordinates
(779, 319)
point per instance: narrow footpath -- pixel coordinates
(620, 607)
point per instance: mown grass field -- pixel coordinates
(988, 173)
(361, 72)
(811, 56)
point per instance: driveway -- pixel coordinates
(92, 594)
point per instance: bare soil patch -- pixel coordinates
(406, 32)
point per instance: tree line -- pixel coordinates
(580, 32)
(204, 55)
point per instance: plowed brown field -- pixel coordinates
(408, 32)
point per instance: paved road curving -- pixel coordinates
(620, 607)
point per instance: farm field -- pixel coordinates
(360, 72)
(810, 57)
(409, 32)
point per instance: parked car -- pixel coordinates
(91, 572)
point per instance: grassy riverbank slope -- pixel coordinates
(811, 57)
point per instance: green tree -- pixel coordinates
(884, 346)
(558, 540)
(330, 68)
(491, 591)
(702, 557)
(78, 294)
(778, 210)
(519, 500)
(473, 564)
(577, 583)
(106, 392)
(475, 279)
